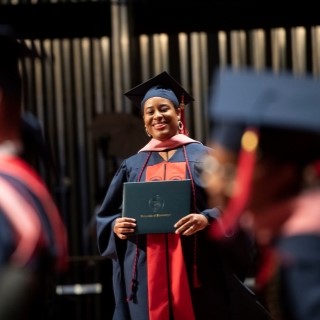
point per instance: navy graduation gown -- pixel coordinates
(211, 300)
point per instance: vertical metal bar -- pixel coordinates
(81, 175)
(89, 107)
(97, 77)
(116, 56)
(68, 188)
(204, 76)
(278, 49)
(160, 53)
(222, 45)
(60, 128)
(102, 72)
(164, 50)
(49, 107)
(195, 67)
(185, 74)
(299, 50)
(125, 54)
(107, 73)
(156, 57)
(315, 33)
(258, 49)
(39, 99)
(87, 78)
(183, 56)
(145, 56)
(238, 48)
(29, 83)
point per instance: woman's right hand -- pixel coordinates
(123, 227)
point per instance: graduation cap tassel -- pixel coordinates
(134, 281)
(196, 281)
(183, 129)
(268, 267)
(230, 218)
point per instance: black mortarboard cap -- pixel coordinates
(154, 86)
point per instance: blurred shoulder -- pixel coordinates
(197, 150)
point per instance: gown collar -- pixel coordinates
(172, 143)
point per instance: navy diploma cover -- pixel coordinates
(156, 205)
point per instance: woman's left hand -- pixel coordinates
(191, 224)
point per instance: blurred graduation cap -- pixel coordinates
(35, 145)
(277, 113)
(163, 85)
(283, 105)
(11, 52)
(267, 99)
(11, 48)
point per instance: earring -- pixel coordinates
(180, 125)
(148, 134)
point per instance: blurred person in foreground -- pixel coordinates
(264, 168)
(33, 242)
(181, 275)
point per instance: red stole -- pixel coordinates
(167, 275)
(236, 205)
(22, 171)
(25, 223)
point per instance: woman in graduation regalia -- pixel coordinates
(182, 275)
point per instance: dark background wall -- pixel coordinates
(79, 79)
(45, 19)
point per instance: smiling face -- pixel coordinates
(161, 118)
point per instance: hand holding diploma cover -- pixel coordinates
(153, 223)
(156, 205)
